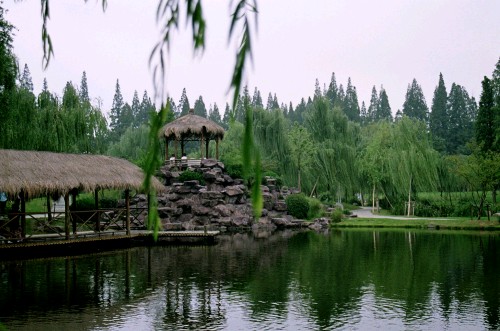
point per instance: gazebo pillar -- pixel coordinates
(166, 149)
(127, 213)
(217, 148)
(66, 215)
(201, 145)
(23, 214)
(175, 147)
(206, 148)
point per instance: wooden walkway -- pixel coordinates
(88, 241)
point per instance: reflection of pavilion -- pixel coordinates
(191, 127)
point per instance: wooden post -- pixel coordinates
(217, 148)
(127, 214)
(201, 145)
(96, 203)
(175, 147)
(49, 212)
(166, 149)
(66, 215)
(23, 214)
(206, 148)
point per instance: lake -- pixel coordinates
(349, 279)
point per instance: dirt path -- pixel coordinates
(366, 212)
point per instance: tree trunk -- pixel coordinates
(409, 198)
(373, 199)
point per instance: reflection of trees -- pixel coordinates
(190, 286)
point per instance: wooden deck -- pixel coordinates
(89, 241)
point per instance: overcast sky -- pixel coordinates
(374, 42)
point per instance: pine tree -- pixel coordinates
(460, 125)
(226, 119)
(269, 105)
(257, 99)
(495, 82)
(485, 124)
(317, 90)
(276, 104)
(339, 102)
(415, 105)
(374, 105)
(351, 105)
(136, 110)
(438, 120)
(115, 114)
(26, 82)
(291, 113)
(214, 115)
(145, 109)
(183, 107)
(83, 93)
(365, 119)
(384, 112)
(332, 92)
(199, 107)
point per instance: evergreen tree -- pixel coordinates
(183, 107)
(495, 83)
(460, 125)
(214, 115)
(284, 109)
(257, 99)
(398, 116)
(339, 102)
(485, 124)
(270, 103)
(276, 104)
(384, 109)
(84, 90)
(415, 105)
(300, 111)
(115, 114)
(26, 82)
(438, 121)
(226, 119)
(351, 105)
(136, 110)
(199, 107)
(291, 113)
(145, 109)
(332, 92)
(364, 114)
(374, 105)
(317, 90)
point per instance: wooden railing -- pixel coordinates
(40, 225)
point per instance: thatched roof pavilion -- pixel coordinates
(192, 127)
(30, 173)
(41, 173)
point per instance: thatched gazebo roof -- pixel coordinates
(41, 173)
(191, 125)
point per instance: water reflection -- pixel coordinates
(349, 279)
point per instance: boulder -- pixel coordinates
(280, 206)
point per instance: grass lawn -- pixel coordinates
(442, 223)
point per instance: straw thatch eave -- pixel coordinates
(192, 125)
(41, 173)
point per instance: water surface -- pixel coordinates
(345, 279)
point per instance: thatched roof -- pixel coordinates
(192, 125)
(40, 173)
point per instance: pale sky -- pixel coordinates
(374, 42)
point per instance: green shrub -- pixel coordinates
(108, 202)
(235, 170)
(346, 212)
(336, 215)
(83, 203)
(297, 205)
(191, 175)
(315, 208)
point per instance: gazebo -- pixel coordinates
(192, 127)
(38, 174)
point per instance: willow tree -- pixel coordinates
(336, 139)
(302, 149)
(412, 162)
(373, 160)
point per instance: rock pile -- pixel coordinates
(223, 202)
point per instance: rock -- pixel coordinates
(233, 191)
(209, 163)
(185, 204)
(280, 222)
(223, 210)
(264, 212)
(280, 206)
(191, 183)
(210, 176)
(241, 221)
(211, 195)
